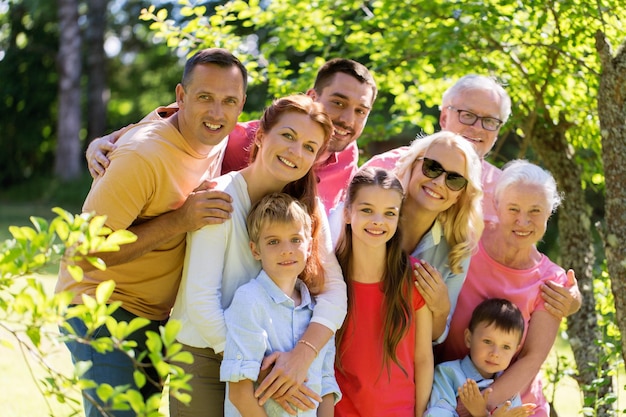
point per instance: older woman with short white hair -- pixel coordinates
(509, 265)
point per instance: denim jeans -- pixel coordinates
(114, 368)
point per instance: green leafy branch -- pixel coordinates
(31, 317)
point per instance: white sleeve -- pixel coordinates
(205, 259)
(336, 222)
(331, 304)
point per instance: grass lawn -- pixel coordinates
(21, 396)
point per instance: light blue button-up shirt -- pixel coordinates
(449, 376)
(262, 319)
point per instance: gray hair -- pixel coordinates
(520, 171)
(479, 82)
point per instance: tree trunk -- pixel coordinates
(68, 159)
(97, 94)
(575, 241)
(612, 114)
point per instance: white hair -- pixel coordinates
(520, 171)
(479, 82)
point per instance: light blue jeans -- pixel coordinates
(114, 368)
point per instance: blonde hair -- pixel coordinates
(463, 221)
(283, 208)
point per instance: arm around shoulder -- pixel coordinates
(332, 303)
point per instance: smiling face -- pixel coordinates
(481, 102)
(210, 104)
(289, 149)
(374, 214)
(523, 213)
(348, 102)
(432, 194)
(491, 349)
(282, 248)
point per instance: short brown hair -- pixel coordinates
(217, 56)
(502, 313)
(345, 66)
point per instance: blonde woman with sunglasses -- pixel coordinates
(442, 216)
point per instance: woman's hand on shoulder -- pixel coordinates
(562, 300)
(432, 288)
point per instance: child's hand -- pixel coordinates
(523, 410)
(474, 401)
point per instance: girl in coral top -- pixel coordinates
(384, 360)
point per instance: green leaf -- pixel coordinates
(121, 237)
(104, 291)
(186, 11)
(64, 215)
(183, 357)
(95, 225)
(136, 324)
(135, 399)
(161, 14)
(96, 262)
(17, 232)
(140, 378)
(81, 367)
(153, 342)
(170, 331)
(104, 391)
(34, 334)
(76, 272)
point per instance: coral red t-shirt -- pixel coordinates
(367, 388)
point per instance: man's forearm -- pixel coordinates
(150, 235)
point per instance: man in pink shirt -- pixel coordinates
(346, 89)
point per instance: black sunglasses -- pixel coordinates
(433, 169)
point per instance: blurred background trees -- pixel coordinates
(121, 73)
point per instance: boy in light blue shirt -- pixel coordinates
(493, 337)
(272, 312)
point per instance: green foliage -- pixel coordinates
(610, 346)
(143, 74)
(543, 50)
(28, 44)
(31, 316)
(610, 362)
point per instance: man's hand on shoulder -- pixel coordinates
(203, 207)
